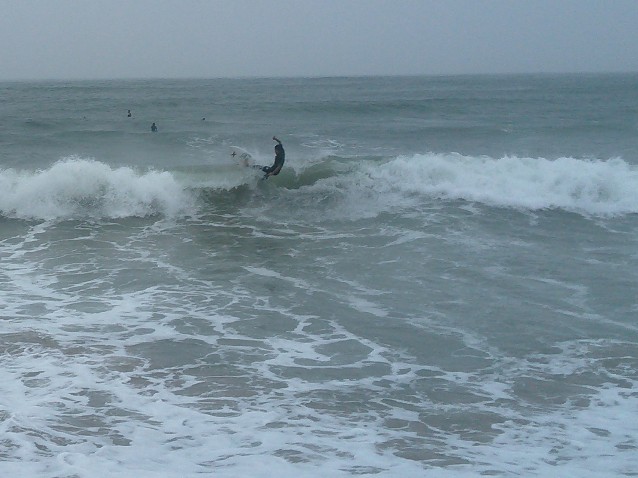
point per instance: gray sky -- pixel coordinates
(86, 39)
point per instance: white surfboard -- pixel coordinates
(241, 156)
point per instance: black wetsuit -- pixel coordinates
(280, 157)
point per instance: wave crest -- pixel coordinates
(584, 186)
(76, 187)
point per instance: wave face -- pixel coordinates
(367, 187)
(76, 188)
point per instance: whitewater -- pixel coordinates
(441, 281)
(80, 188)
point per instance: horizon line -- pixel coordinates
(298, 77)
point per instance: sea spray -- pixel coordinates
(76, 187)
(589, 187)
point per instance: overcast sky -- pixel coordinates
(86, 39)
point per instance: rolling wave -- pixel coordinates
(81, 188)
(588, 187)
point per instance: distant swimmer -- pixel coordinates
(280, 157)
(154, 128)
(129, 113)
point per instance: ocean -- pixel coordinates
(442, 281)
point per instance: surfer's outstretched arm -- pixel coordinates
(280, 157)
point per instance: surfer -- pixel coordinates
(280, 157)
(154, 128)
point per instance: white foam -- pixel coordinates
(590, 187)
(76, 187)
(303, 392)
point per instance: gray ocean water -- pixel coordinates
(442, 282)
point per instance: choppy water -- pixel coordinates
(441, 282)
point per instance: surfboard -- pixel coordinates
(241, 156)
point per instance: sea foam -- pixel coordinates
(76, 187)
(589, 187)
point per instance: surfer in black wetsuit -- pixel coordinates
(280, 157)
